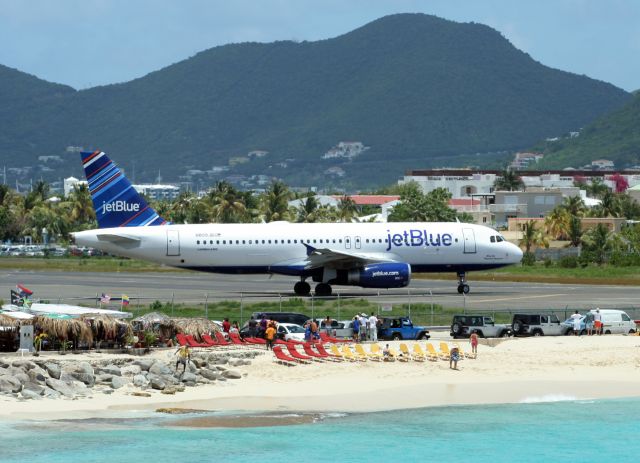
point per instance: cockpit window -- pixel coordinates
(499, 238)
(493, 239)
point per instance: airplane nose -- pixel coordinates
(515, 253)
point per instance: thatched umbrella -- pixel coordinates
(7, 321)
(105, 327)
(151, 321)
(194, 326)
(64, 328)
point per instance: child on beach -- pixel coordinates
(184, 355)
(454, 357)
(270, 335)
(474, 342)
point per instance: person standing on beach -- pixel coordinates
(597, 321)
(373, 327)
(226, 326)
(355, 325)
(184, 356)
(576, 319)
(473, 339)
(270, 335)
(588, 321)
(327, 325)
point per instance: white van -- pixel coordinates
(616, 322)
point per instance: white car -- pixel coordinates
(289, 331)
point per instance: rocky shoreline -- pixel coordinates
(46, 378)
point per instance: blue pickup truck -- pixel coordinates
(401, 328)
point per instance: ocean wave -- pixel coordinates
(549, 398)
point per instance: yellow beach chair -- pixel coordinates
(463, 354)
(335, 351)
(432, 354)
(444, 351)
(418, 354)
(404, 350)
(376, 353)
(360, 353)
(394, 354)
(346, 353)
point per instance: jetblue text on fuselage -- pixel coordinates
(416, 237)
(119, 206)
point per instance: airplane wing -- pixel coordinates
(322, 257)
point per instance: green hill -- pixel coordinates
(418, 90)
(614, 136)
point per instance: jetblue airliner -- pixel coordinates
(369, 255)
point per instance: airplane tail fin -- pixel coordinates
(116, 202)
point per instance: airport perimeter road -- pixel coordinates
(193, 288)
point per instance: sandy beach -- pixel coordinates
(509, 371)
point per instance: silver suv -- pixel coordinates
(537, 325)
(485, 327)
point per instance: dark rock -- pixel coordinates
(33, 387)
(112, 370)
(210, 375)
(158, 383)
(24, 364)
(104, 378)
(159, 368)
(144, 364)
(62, 387)
(53, 369)
(117, 382)
(10, 384)
(27, 394)
(232, 374)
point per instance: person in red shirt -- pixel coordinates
(226, 326)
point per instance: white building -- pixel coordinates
(70, 183)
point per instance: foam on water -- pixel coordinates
(549, 398)
(543, 431)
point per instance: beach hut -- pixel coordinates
(9, 327)
(195, 326)
(107, 329)
(64, 329)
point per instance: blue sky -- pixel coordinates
(84, 43)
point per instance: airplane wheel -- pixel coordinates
(465, 289)
(302, 288)
(323, 290)
(460, 289)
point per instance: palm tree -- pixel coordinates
(81, 205)
(307, 211)
(575, 206)
(275, 202)
(347, 209)
(532, 237)
(227, 204)
(597, 241)
(508, 181)
(596, 188)
(557, 222)
(609, 206)
(574, 233)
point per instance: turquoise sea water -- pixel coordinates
(568, 431)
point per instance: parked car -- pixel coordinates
(537, 325)
(283, 317)
(484, 326)
(339, 329)
(614, 322)
(287, 331)
(401, 328)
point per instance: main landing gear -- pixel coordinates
(302, 288)
(463, 287)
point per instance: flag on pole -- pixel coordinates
(15, 298)
(105, 298)
(125, 300)
(24, 290)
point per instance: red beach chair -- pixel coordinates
(312, 353)
(193, 343)
(297, 355)
(181, 339)
(283, 358)
(258, 341)
(221, 340)
(236, 339)
(209, 340)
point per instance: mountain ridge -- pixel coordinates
(412, 87)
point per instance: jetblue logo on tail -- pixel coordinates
(119, 206)
(115, 200)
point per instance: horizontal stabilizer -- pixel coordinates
(117, 239)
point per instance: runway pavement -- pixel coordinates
(194, 288)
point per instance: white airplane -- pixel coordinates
(369, 255)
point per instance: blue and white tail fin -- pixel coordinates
(116, 202)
